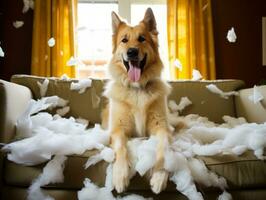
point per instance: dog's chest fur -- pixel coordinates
(138, 99)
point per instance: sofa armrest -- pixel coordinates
(14, 99)
(248, 109)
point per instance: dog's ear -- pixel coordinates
(149, 21)
(115, 22)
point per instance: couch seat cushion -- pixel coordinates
(245, 172)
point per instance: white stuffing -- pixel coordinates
(18, 24)
(81, 85)
(64, 77)
(196, 75)
(52, 173)
(231, 35)
(214, 89)
(184, 102)
(93, 192)
(73, 61)
(2, 53)
(43, 87)
(27, 5)
(63, 111)
(107, 154)
(225, 196)
(51, 135)
(178, 64)
(51, 42)
(256, 97)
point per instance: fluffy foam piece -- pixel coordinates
(51, 42)
(93, 192)
(52, 136)
(196, 75)
(43, 87)
(73, 61)
(184, 102)
(231, 35)
(225, 196)
(52, 173)
(214, 89)
(2, 53)
(146, 154)
(63, 111)
(109, 178)
(18, 24)
(107, 154)
(27, 5)
(81, 85)
(184, 184)
(178, 64)
(256, 97)
(202, 175)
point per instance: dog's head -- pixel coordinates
(135, 50)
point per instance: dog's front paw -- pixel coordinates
(120, 175)
(158, 181)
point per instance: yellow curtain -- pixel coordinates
(190, 38)
(57, 19)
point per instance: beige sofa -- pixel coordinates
(246, 175)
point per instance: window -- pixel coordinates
(94, 30)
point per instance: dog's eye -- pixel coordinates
(141, 38)
(125, 40)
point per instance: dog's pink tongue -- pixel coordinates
(134, 72)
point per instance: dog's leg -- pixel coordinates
(121, 123)
(158, 126)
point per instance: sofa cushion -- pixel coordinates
(204, 102)
(245, 172)
(248, 109)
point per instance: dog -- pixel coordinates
(137, 97)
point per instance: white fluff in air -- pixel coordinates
(81, 85)
(196, 75)
(214, 89)
(231, 35)
(184, 102)
(43, 87)
(18, 24)
(256, 97)
(51, 42)
(27, 5)
(73, 61)
(178, 64)
(2, 53)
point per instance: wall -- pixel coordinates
(243, 59)
(16, 43)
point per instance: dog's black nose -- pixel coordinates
(132, 53)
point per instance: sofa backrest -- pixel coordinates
(204, 102)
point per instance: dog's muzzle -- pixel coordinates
(133, 64)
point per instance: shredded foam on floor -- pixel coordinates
(49, 136)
